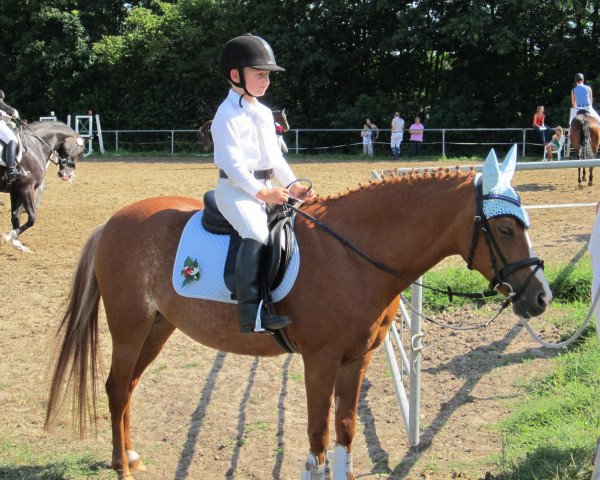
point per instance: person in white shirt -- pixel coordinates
(248, 156)
(397, 135)
(10, 140)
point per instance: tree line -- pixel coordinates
(154, 64)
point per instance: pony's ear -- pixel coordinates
(507, 168)
(491, 172)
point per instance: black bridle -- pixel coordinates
(500, 274)
(480, 224)
(70, 161)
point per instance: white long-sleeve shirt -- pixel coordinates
(245, 141)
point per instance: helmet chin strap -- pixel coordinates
(242, 84)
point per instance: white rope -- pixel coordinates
(570, 340)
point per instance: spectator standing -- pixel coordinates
(539, 124)
(374, 133)
(416, 137)
(397, 129)
(366, 140)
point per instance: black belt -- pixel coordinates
(258, 174)
(583, 106)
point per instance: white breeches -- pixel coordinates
(248, 215)
(6, 134)
(594, 248)
(592, 112)
(396, 139)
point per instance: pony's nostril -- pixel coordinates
(542, 301)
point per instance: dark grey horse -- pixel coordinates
(44, 143)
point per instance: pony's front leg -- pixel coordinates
(591, 177)
(347, 390)
(12, 237)
(320, 377)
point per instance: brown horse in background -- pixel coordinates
(205, 136)
(336, 333)
(584, 135)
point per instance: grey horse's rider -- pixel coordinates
(10, 140)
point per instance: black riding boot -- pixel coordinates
(248, 270)
(11, 163)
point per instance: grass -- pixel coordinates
(18, 461)
(552, 431)
(554, 426)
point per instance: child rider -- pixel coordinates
(248, 156)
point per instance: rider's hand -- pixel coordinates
(15, 114)
(301, 191)
(278, 196)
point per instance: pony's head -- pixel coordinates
(510, 263)
(69, 152)
(281, 118)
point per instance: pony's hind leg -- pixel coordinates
(128, 343)
(160, 333)
(591, 177)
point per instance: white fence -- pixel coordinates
(438, 141)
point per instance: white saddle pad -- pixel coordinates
(210, 251)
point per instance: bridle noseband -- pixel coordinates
(500, 274)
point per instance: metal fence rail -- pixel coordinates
(438, 141)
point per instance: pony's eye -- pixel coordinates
(505, 230)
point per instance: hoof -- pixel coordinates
(13, 240)
(137, 466)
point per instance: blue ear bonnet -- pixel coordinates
(501, 201)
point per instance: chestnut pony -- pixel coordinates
(584, 135)
(407, 223)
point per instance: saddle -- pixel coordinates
(279, 248)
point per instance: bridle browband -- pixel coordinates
(480, 223)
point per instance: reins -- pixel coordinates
(480, 223)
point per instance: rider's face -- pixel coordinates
(257, 81)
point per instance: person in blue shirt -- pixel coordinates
(582, 98)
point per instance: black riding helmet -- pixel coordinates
(247, 51)
(578, 77)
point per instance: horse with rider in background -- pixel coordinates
(42, 143)
(584, 137)
(281, 126)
